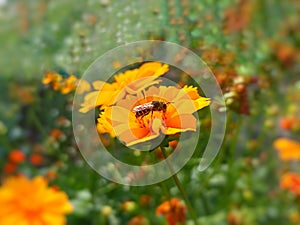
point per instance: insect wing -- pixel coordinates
(139, 108)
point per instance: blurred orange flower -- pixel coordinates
(54, 79)
(286, 123)
(36, 159)
(56, 135)
(129, 81)
(9, 168)
(291, 181)
(290, 123)
(174, 210)
(286, 53)
(51, 77)
(178, 116)
(294, 217)
(24, 201)
(65, 84)
(63, 121)
(16, 156)
(50, 175)
(238, 16)
(173, 144)
(288, 149)
(69, 84)
(145, 200)
(23, 93)
(235, 217)
(138, 220)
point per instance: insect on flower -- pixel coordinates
(144, 109)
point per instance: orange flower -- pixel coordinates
(51, 77)
(24, 94)
(178, 116)
(145, 200)
(235, 217)
(54, 79)
(57, 134)
(24, 201)
(9, 168)
(129, 81)
(50, 175)
(238, 17)
(37, 148)
(291, 181)
(290, 123)
(287, 149)
(286, 123)
(16, 156)
(36, 159)
(174, 210)
(286, 53)
(173, 144)
(63, 121)
(69, 84)
(138, 220)
(65, 85)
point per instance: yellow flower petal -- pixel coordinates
(201, 102)
(129, 82)
(83, 86)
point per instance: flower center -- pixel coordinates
(146, 120)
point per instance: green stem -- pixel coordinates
(234, 140)
(162, 185)
(180, 188)
(222, 154)
(34, 119)
(92, 188)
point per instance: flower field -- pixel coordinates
(195, 121)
